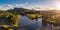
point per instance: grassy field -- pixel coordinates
(33, 16)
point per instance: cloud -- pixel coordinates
(6, 7)
(19, 5)
(10, 6)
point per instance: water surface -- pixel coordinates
(25, 22)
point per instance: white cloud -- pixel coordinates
(10, 6)
(19, 5)
(6, 7)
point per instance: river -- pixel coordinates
(27, 24)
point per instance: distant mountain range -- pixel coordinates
(22, 10)
(29, 11)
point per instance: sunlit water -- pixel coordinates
(28, 24)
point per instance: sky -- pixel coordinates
(36, 4)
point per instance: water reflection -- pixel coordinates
(28, 24)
